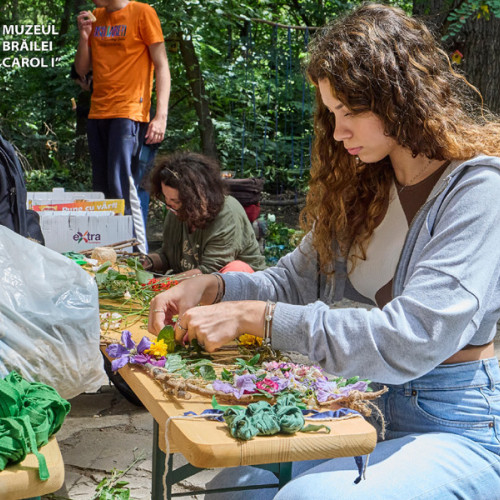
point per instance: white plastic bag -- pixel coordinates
(49, 317)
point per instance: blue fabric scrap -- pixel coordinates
(210, 414)
(341, 412)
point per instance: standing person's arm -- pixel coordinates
(157, 126)
(83, 57)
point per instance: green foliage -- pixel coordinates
(280, 240)
(260, 102)
(76, 177)
(244, 366)
(470, 9)
(114, 487)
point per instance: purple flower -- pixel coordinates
(325, 390)
(242, 384)
(221, 386)
(281, 382)
(358, 386)
(126, 351)
(142, 359)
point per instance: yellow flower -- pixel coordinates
(456, 57)
(158, 348)
(249, 340)
(484, 11)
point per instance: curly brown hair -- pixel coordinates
(379, 59)
(198, 180)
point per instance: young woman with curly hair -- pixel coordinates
(403, 214)
(205, 230)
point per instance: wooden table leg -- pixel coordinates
(285, 473)
(159, 458)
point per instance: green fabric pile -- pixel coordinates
(263, 419)
(30, 412)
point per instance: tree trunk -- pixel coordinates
(481, 62)
(65, 22)
(478, 41)
(201, 104)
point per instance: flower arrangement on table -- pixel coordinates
(244, 379)
(125, 291)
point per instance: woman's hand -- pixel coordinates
(216, 325)
(191, 292)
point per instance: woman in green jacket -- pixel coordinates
(205, 230)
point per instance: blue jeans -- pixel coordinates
(114, 146)
(442, 443)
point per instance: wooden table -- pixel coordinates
(208, 444)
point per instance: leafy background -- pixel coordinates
(238, 88)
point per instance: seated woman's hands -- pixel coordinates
(175, 301)
(216, 325)
(212, 325)
(146, 262)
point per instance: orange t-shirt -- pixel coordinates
(121, 64)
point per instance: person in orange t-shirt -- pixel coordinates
(124, 47)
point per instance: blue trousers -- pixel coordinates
(115, 146)
(141, 176)
(442, 443)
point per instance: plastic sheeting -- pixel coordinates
(49, 318)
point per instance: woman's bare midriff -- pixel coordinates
(472, 353)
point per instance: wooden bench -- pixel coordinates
(21, 481)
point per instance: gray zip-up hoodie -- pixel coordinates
(446, 288)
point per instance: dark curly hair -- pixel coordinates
(379, 59)
(198, 180)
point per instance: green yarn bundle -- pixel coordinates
(30, 412)
(263, 419)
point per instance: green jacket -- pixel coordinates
(229, 237)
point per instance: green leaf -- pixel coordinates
(102, 483)
(315, 428)
(185, 373)
(143, 276)
(351, 380)
(100, 279)
(174, 362)
(264, 393)
(217, 406)
(226, 375)
(168, 336)
(113, 273)
(103, 267)
(240, 362)
(207, 372)
(134, 263)
(254, 360)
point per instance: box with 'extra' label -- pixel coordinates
(77, 231)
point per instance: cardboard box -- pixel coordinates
(115, 206)
(74, 232)
(58, 195)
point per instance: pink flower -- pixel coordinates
(267, 385)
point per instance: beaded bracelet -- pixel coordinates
(268, 321)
